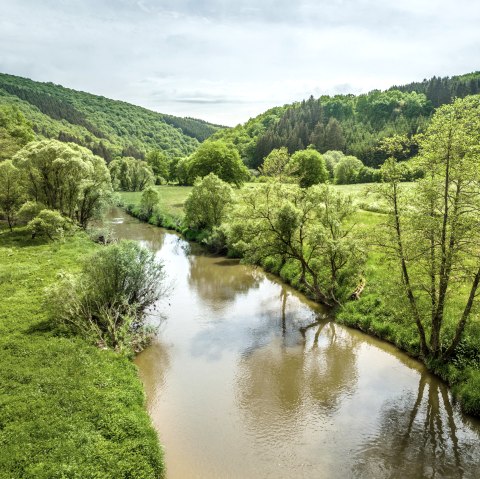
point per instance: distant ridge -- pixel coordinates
(107, 127)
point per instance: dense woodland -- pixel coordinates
(107, 127)
(355, 125)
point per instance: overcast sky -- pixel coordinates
(226, 61)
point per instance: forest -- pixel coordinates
(107, 127)
(353, 124)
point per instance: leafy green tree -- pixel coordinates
(130, 174)
(347, 169)
(208, 202)
(15, 131)
(64, 177)
(275, 164)
(434, 235)
(150, 199)
(309, 167)
(11, 191)
(332, 157)
(307, 226)
(159, 163)
(108, 302)
(220, 158)
(29, 210)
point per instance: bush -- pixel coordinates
(49, 223)
(29, 211)
(108, 301)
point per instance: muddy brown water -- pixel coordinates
(246, 380)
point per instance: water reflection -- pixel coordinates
(280, 381)
(219, 280)
(420, 435)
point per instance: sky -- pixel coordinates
(226, 61)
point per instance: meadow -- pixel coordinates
(67, 408)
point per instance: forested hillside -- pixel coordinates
(107, 127)
(354, 124)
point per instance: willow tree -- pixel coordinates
(64, 177)
(306, 226)
(435, 233)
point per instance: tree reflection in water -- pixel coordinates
(418, 437)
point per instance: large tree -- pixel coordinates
(208, 202)
(434, 234)
(306, 226)
(64, 177)
(308, 166)
(220, 158)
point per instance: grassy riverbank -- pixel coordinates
(67, 409)
(373, 313)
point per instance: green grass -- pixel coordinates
(67, 408)
(172, 198)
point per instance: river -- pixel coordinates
(248, 379)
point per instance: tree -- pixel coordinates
(11, 191)
(306, 226)
(150, 199)
(434, 235)
(108, 301)
(130, 174)
(275, 163)
(64, 177)
(220, 158)
(159, 164)
(347, 170)
(208, 202)
(309, 167)
(332, 157)
(334, 139)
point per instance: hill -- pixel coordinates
(107, 127)
(354, 124)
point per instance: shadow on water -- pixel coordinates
(420, 436)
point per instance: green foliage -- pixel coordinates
(108, 128)
(219, 158)
(49, 223)
(15, 131)
(11, 192)
(108, 301)
(208, 202)
(64, 177)
(29, 210)
(347, 170)
(434, 235)
(308, 166)
(275, 164)
(306, 226)
(129, 174)
(159, 163)
(149, 201)
(68, 409)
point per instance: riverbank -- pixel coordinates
(371, 314)
(67, 408)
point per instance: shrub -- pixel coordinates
(49, 223)
(108, 301)
(29, 211)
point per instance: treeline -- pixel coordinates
(442, 90)
(355, 125)
(107, 127)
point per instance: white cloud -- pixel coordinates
(225, 61)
